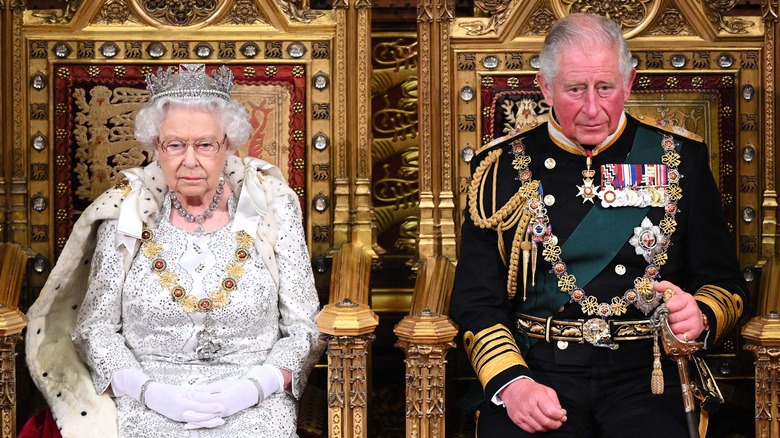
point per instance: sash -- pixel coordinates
(590, 242)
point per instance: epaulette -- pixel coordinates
(669, 127)
(498, 140)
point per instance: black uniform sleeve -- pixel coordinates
(714, 277)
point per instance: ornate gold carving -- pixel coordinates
(398, 123)
(396, 55)
(133, 50)
(38, 50)
(320, 111)
(321, 172)
(115, 12)
(714, 9)
(321, 233)
(748, 122)
(8, 374)
(761, 336)
(179, 12)
(348, 326)
(425, 383)
(541, 21)
(347, 385)
(497, 10)
(246, 12)
(467, 122)
(467, 62)
(39, 172)
(701, 60)
(426, 337)
(749, 60)
(295, 14)
(85, 49)
(38, 111)
(60, 16)
(19, 153)
(671, 22)
(629, 14)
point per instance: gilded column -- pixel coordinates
(429, 132)
(348, 328)
(762, 337)
(769, 204)
(13, 262)
(425, 339)
(347, 324)
(341, 183)
(426, 336)
(12, 135)
(352, 118)
(446, 206)
(437, 199)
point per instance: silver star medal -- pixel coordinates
(647, 240)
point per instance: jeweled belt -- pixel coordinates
(597, 331)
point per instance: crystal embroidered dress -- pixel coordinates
(256, 326)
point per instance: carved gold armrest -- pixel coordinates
(348, 324)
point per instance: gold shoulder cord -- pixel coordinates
(513, 213)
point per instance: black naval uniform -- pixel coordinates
(605, 391)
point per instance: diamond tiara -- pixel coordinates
(191, 82)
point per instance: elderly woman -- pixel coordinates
(195, 317)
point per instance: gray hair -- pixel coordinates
(583, 30)
(234, 117)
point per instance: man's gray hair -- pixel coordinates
(583, 30)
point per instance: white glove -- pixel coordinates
(172, 401)
(239, 394)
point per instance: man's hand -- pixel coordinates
(533, 407)
(685, 318)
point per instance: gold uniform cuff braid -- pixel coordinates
(142, 396)
(260, 395)
(492, 351)
(726, 306)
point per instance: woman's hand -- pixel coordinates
(233, 395)
(173, 401)
(239, 394)
(179, 403)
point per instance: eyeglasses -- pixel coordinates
(205, 148)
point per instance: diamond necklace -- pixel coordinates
(206, 214)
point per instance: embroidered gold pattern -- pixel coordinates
(492, 351)
(726, 306)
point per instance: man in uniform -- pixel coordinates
(575, 232)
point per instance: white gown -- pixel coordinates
(133, 321)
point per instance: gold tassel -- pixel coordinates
(533, 264)
(657, 377)
(704, 420)
(526, 247)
